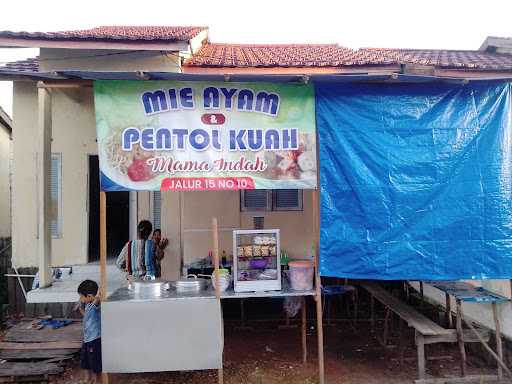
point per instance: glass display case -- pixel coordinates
(256, 260)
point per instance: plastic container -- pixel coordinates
(301, 275)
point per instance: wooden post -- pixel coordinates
(44, 156)
(499, 347)
(103, 258)
(215, 233)
(372, 313)
(303, 329)
(401, 341)
(460, 338)
(448, 312)
(489, 349)
(421, 296)
(318, 284)
(386, 327)
(103, 245)
(420, 343)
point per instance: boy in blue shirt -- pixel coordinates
(90, 356)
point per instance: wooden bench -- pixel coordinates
(426, 330)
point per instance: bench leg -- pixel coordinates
(460, 339)
(422, 302)
(401, 341)
(420, 344)
(372, 313)
(356, 309)
(448, 312)
(499, 346)
(303, 331)
(386, 327)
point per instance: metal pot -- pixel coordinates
(148, 287)
(189, 284)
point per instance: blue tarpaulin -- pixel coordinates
(416, 180)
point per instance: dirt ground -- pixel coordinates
(270, 355)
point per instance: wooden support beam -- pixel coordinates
(476, 379)
(103, 259)
(420, 342)
(499, 346)
(103, 245)
(303, 331)
(486, 346)
(44, 153)
(422, 303)
(460, 339)
(215, 237)
(448, 311)
(49, 84)
(318, 286)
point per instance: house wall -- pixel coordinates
(74, 136)
(5, 185)
(200, 207)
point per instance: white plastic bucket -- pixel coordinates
(301, 275)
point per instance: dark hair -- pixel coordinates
(88, 287)
(144, 228)
(157, 230)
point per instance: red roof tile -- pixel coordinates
(445, 58)
(27, 65)
(289, 55)
(328, 55)
(332, 55)
(150, 33)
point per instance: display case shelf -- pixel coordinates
(256, 260)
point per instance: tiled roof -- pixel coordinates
(27, 65)
(131, 33)
(271, 55)
(332, 55)
(445, 58)
(328, 55)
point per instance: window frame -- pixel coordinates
(58, 231)
(244, 208)
(299, 207)
(271, 203)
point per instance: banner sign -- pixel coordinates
(170, 135)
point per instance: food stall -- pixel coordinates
(194, 136)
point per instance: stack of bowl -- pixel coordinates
(224, 279)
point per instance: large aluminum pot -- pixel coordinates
(148, 287)
(189, 284)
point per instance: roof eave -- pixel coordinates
(145, 45)
(5, 121)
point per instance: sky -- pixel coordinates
(436, 24)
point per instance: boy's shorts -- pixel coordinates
(90, 356)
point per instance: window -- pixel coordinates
(271, 200)
(287, 200)
(157, 210)
(56, 196)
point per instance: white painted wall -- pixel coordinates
(73, 135)
(5, 184)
